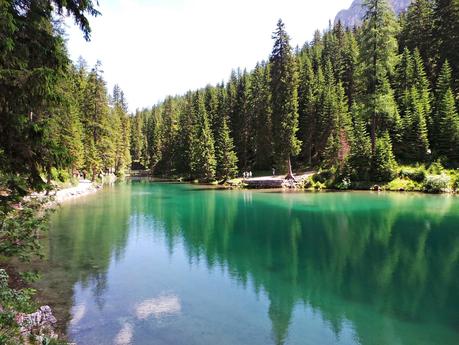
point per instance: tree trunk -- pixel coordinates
(373, 134)
(290, 173)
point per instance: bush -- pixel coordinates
(437, 183)
(344, 184)
(400, 184)
(436, 168)
(414, 174)
(323, 176)
(455, 180)
(63, 175)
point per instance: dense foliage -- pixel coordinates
(56, 121)
(354, 100)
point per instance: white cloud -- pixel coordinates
(156, 48)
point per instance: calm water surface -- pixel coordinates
(151, 263)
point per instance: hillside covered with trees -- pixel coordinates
(356, 102)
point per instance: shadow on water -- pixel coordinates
(350, 257)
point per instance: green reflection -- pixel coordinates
(386, 264)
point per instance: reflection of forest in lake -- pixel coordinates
(383, 267)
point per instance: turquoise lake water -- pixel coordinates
(156, 263)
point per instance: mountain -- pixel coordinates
(353, 15)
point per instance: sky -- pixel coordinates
(156, 48)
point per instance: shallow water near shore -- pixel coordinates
(159, 263)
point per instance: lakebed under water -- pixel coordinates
(159, 263)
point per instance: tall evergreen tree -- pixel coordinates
(262, 112)
(307, 96)
(444, 83)
(98, 139)
(383, 164)
(446, 35)
(360, 155)
(226, 159)
(448, 140)
(378, 48)
(418, 32)
(203, 161)
(284, 90)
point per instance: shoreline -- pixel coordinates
(84, 187)
(277, 184)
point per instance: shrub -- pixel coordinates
(436, 183)
(414, 174)
(400, 184)
(323, 176)
(436, 168)
(344, 184)
(455, 180)
(63, 175)
(318, 185)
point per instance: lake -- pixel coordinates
(158, 263)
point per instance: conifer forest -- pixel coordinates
(373, 106)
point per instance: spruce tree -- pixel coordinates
(226, 158)
(203, 161)
(422, 84)
(415, 142)
(448, 140)
(378, 52)
(242, 121)
(284, 90)
(98, 138)
(446, 35)
(187, 137)
(443, 85)
(418, 32)
(383, 164)
(307, 116)
(360, 156)
(155, 139)
(350, 67)
(262, 112)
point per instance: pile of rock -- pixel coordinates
(38, 325)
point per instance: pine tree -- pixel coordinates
(187, 137)
(98, 136)
(378, 48)
(418, 32)
(415, 142)
(121, 129)
(284, 90)
(422, 85)
(203, 161)
(405, 80)
(242, 121)
(262, 112)
(446, 35)
(226, 158)
(169, 133)
(360, 156)
(154, 139)
(307, 116)
(350, 67)
(448, 140)
(383, 164)
(443, 85)
(137, 139)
